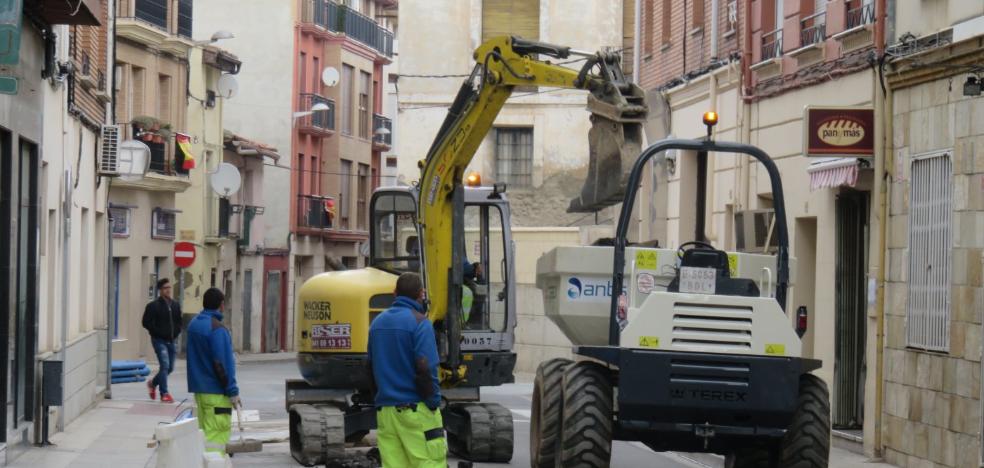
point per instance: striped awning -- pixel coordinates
(833, 172)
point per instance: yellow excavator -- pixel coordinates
(433, 228)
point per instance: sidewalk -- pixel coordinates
(115, 434)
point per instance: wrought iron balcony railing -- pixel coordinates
(813, 29)
(382, 129)
(772, 44)
(314, 211)
(319, 120)
(865, 14)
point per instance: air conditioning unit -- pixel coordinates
(755, 231)
(109, 146)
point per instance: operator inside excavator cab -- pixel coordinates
(703, 268)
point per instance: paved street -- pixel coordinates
(116, 432)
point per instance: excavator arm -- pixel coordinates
(617, 111)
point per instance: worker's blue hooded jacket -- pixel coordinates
(211, 365)
(397, 338)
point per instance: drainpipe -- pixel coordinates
(883, 165)
(636, 41)
(714, 29)
(746, 98)
(110, 119)
(636, 55)
(66, 241)
(712, 234)
(109, 294)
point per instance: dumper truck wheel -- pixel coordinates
(586, 425)
(545, 417)
(807, 442)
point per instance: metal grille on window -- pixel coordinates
(163, 225)
(514, 156)
(121, 221)
(930, 213)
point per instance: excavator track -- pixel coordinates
(486, 434)
(317, 433)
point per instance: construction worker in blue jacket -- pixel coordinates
(403, 359)
(212, 372)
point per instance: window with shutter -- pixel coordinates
(511, 18)
(930, 214)
(121, 221)
(514, 156)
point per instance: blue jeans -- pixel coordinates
(165, 357)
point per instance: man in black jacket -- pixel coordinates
(162, 319)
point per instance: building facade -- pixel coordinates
(336, 151)
(759, 64)
(153, 41)
(934, 168)
(203, 215)
(539, 143)
(53, 103)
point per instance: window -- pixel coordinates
(164, 97)
(394, 236)
(697, 14)
(514, 156)
(344, 191)
(930, 196)
(664, 26)
(162, 224)
(347, 91)
(365, 84)
(121, 221)
(485, 243)
(315, 173)
(185, 9)
(511, 18)
(315, 76)
(300, 174)
(137, 87)
(732, 16)
(647, 28)
(363, 194)
(302, 73)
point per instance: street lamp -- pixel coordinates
(218, 36)
(317, 107)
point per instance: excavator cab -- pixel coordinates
(487, 307)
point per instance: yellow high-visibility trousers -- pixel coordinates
(214, 414)
(411, 437)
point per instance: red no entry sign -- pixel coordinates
(184, 254)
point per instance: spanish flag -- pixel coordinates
(183, 157)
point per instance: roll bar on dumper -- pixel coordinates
(703, 148)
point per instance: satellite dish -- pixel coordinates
(228, 86)
(329, 76)
(226, 180)
(133, 159)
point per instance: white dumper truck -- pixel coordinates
(687, 349)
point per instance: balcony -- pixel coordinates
(320, 122)
(860, 16)
(772, 45)
(813, 29)
(342, 19)
(152, 11)
(813, 34)
(382, 133)
(315, 212)
(146, 22)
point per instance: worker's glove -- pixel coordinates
(236, 401)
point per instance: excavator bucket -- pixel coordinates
(618, 112)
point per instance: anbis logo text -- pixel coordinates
(589, 289)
